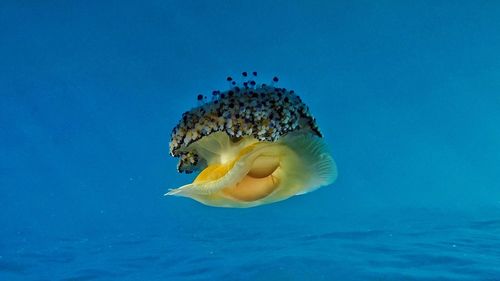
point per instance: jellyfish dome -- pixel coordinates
(252, 144)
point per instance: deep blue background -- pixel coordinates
(407, 94)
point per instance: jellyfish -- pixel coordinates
(252, 144)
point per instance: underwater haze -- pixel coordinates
(406, 93)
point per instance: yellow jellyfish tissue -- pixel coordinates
(253, 144)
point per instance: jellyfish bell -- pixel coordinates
(252, 145)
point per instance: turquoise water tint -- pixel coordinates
(407, 94)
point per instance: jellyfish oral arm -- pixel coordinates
(256, 161)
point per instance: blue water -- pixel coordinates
(421, 245)
(406, 94)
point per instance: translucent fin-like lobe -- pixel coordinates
(316, 159)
